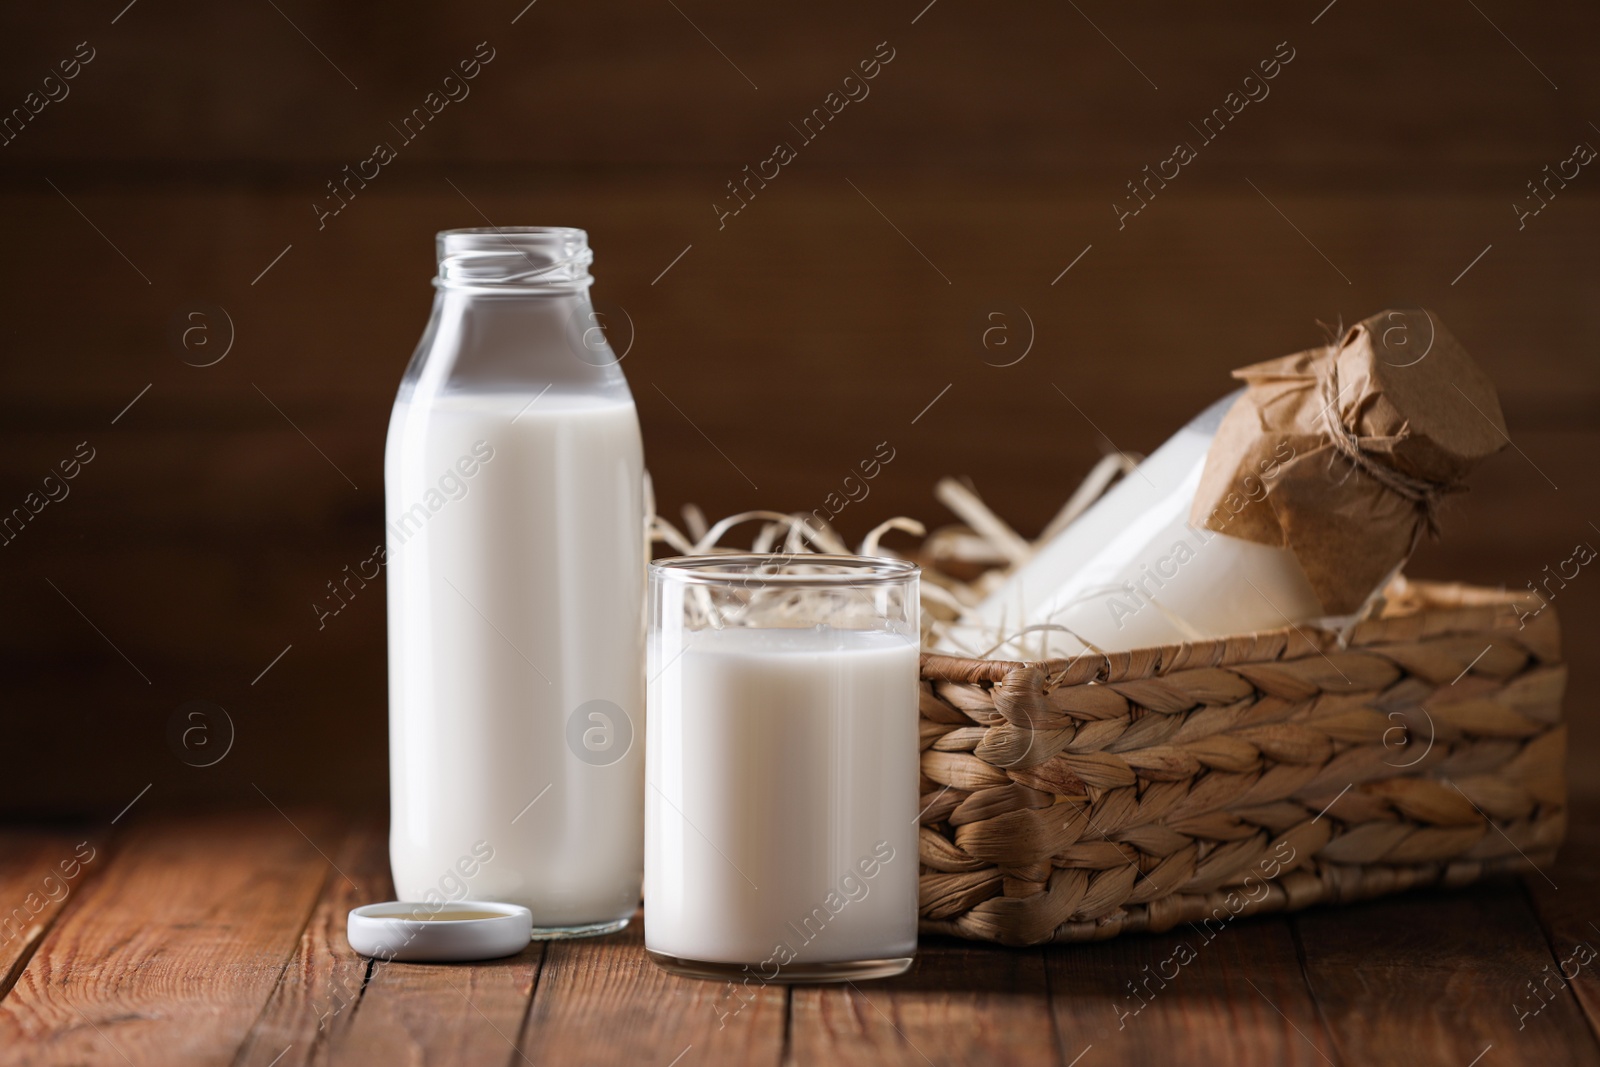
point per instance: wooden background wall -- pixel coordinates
(182, 167)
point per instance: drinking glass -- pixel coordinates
(782, 767)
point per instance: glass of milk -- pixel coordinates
(782, 767)
(514, 501)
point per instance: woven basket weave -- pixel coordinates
(1076, 800)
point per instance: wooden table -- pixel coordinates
(219, 939)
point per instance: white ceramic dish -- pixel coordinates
(439, 933)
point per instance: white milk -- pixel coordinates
(516, 574)
(781, 797)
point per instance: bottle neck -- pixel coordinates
(513, 342)
(513, 315)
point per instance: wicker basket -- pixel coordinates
(1076, 800)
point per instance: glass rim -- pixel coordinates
(724, 569)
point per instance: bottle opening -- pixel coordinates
(514, 257)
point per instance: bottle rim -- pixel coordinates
(514, 258)
(508, 231)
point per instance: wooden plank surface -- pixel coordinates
(1428, 91)
(608, 986)
(169, 955)
(316, 1000)
(959, 1005)
(40, 871)
(1232, 994)
(333, 1006)
(441, 1013)
(1448, 973)
(1566, 898)
(220, 939)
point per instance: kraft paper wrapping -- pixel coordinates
(1342, 453)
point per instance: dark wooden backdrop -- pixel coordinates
(181, 171)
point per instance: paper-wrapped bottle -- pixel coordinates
(1382, 425)
(1294, 500)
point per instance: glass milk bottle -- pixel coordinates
(514, 503)
(1131, 572)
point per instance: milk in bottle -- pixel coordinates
(516, 555)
